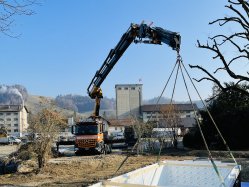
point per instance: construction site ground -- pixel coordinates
(74, 171)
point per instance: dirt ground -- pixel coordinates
(78, 171)
(5, 150)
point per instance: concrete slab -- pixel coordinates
(187, 173)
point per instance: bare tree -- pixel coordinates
(45, 127)
(237, 41)
(11, 8)
(170, 122)
(142, 130)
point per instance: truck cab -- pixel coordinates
(91, 135)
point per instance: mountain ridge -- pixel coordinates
(67, 104)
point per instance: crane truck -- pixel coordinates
(92, 133)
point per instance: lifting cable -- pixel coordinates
(180, 64)
(182, 67)
(206, 108)
(155, 108)
(159, 98)
(199, 126)
(171, 100)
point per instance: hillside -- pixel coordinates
(82, 104)
(37, 103)
(66, 104)
(165, 100)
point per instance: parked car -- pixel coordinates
(9, 140)
(14, 140)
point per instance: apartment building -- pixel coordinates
(14, 119)
(128, 100)
(157, 113)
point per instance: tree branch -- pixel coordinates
(239, 14)
(215, 49)
(212, 78)
(9, 9)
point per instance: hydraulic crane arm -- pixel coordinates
(142, 33)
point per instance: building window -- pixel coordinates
(8, 119)
(133, 88)
(1, 114)
(1, 119)
(16, 125)
(15, 130)
(16, 114)
(9, 125)
(9, 131)
(188, 116)
(119, 88)
(8, 114)
(15, 119)
(126, 88)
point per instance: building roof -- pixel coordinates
(120, 122)
(12, 108)
(179, 107)
(183, 122)
(127, 85)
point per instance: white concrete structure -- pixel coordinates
(15, 119)
(128, 100)
(187, 173)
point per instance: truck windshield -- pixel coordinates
(86, 130)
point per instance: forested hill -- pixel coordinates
(165, 100)
(15, 94)
(82, 104)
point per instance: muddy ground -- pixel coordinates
(77, 171)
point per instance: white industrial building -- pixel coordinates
(14, 118)
(128, 100)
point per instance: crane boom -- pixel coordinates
(142, 33)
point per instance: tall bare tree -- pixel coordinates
(11, 8)
(45, 127)
(237, 41)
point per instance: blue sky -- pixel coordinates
(65, 43)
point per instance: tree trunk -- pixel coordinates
(41, 161)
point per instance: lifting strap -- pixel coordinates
(171, 102)
(206, 108)
(181, 67)
(155, 108)
(199, 126)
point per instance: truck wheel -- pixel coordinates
(109, 148)
(77, 153)
(103, 149)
